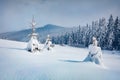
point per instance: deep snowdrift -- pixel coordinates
(61, 63)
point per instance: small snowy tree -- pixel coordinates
(33, 44)
(48, 43)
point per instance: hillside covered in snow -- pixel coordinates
(61, 63)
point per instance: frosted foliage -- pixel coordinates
(33, 44)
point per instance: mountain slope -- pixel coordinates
(62, 63)
(22, 35)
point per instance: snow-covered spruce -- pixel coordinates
(33, 44)
(95, 53)
(48, 44)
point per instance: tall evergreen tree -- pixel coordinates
(102, 32)
(110, 33)
(117, 33)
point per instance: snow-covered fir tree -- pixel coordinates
(116, 43)
(102, 32)
(33, 44)
(110, 33)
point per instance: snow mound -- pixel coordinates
(60, 63)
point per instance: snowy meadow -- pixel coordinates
(60, 63)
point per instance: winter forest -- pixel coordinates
(107, 33)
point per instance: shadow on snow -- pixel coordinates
(72, 61)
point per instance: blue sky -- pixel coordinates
(17, 14)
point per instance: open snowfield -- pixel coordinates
(61, 63)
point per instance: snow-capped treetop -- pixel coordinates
(33, 23)
(95, 42)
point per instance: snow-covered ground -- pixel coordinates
(61, 63)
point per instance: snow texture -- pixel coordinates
(60, 63)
